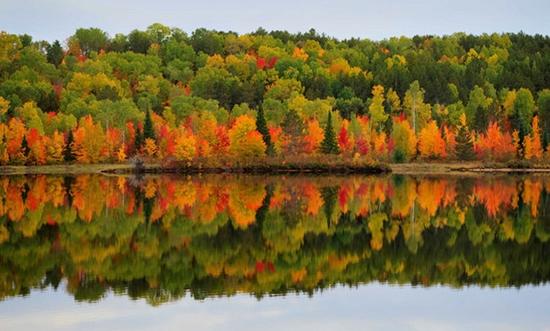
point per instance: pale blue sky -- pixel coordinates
(373, 307)
(378, 19)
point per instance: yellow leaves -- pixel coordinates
(244, 140)
(150, 147)
(376, 108)
(245, 199)
(121, 153)
(339, 66)
(84, 83)
(431, 144)
(55, 146)
(471, 55)
(89, 142)
(463, 119)
(509, 101)
(215, 60)
(149, 84)
(4, 106)
(397, 60)
(404, 140)
(532, 143)
(186, 145)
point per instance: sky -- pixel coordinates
(372, 19)
(373, 307)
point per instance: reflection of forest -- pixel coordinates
(161, 237)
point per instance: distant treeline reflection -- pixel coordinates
(163, 237)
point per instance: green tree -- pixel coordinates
(477, 110)
(464, 144)
(25, 149)
(543, 103)
(329, 145)
(148, 130)
(54, 53)
(68, 154)
(522, 114)
(138, 140)
(261, 126)
(92, 39)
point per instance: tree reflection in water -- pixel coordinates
(163, 237)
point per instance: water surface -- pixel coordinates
(301, 252)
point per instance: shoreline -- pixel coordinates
(415, 168)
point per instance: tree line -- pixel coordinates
(168, 95)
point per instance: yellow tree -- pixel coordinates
(185, 145)
(405, 141)
(376, 108)
(89, 141)
(244, 140)
(54, 147)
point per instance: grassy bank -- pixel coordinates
(322, 165)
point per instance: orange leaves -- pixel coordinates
(314, 136)
(431, 144)
(495, 196)
(16, 132)
(495, 145)
(300, 54)
(35, 141)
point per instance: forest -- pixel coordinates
(162, 238)
(164, 95)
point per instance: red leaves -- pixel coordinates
(262, 63)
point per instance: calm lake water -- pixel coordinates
(235, 252)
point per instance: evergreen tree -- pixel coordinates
(138, 141)
(25, 147)
(329, 144)
(148, 130)
(68, 155)
(54, 53)
(261, 126)
(464, 144)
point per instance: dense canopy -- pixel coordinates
(399, 99)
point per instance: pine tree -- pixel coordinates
(329, 144)
(464, 144)
(54, 53)
(148, 130)
(138, 141)
(68, 155)
(25, 147)
(261, 126)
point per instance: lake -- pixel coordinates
(242, 252)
